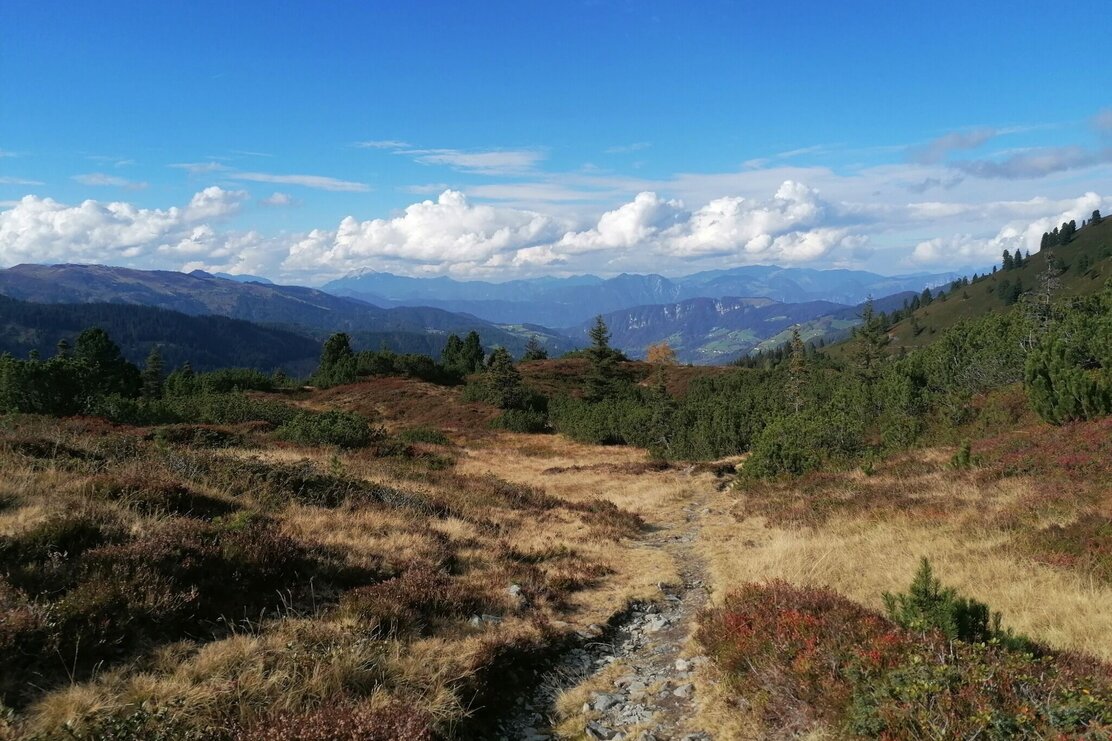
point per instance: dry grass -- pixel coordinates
(863, 536)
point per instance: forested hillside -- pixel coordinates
(207, 342)
(1081, 264)
(304, 310)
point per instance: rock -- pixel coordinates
(682, 665)
(603, 702)
(684, 690)
(598, 731)
(625, 681)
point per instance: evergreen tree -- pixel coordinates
(470, 354)
(534, 350)
(797, 371)
(108, 371)
(451, 356)
(1096, 218)
(504, 381)
(1007, 263)
(601, 375)
(337, 362)
(871, 341)
(153, 375)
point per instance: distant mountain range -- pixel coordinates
(706, 330)
(563, 302)
(306, 310)
(745, 309)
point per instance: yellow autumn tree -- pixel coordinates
(660, 354)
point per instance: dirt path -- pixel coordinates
(635, 675)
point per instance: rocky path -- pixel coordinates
(649, 695)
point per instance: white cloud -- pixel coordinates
(488, 162)
(455, 235)
(449, 233)
(7, 153)
(278, 199)
(319, 182)
(792, 226)
(1018, 234)
(98, 179)
(44, 230)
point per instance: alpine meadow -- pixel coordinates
(585, 371)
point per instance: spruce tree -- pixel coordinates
(504, 381)
(153, 375)
(600, 376)
(797, 371)
(534, 350)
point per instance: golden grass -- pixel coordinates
(864, 554)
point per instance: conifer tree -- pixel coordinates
(600, 376)
(534, 350)
(797, 371)
(504, 381)
(153, 375)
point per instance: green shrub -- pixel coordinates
(786, 446)
(928, 606)
(521, 420)
(424, 435)
(808, 658)
(342, 429)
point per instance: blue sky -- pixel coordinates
(505, 139)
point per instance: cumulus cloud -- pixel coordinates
(937, 150)
(453, 234)
(1018, 234)
(98, 179)
(44, 230)
(450, 231)
(792, 226)
(278, 199)
(1036, 163)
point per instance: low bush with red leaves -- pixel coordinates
(344, 722)
(809, 658)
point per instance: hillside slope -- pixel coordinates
(207, 342)
(416, 329)
(1087, 263)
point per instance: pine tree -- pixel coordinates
(153, 375)
(797, 371)
(504, 381)
(337, 362)
(471, 355)
(1096, 218)
(534, 350)
(108, 371)
(1007, 263)
(600, 376)
(871, 341)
